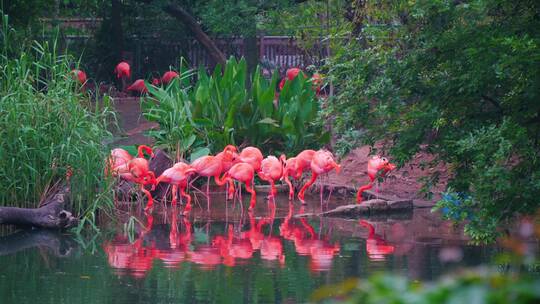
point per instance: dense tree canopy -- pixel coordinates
(460, 77)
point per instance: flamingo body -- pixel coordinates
(123, 70)
(168, 77)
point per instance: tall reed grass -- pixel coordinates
(47, 126)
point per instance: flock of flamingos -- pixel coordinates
(230, 164)
(226, 167)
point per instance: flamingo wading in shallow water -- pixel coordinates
(377, 166)
(177, 176)
(209, 166)
(242, 172)
(271, 171)
(322, 162)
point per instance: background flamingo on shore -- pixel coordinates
(80, 76)
(168, 77)
(322, 162)
(377, 166)
(123, 72)
(177, 176)
(138, 86)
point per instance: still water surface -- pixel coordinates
(227, 255)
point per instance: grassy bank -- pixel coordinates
(48, 127)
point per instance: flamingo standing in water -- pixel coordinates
(252, 156)
(138, 86)
(168, 77)
(377, 166)
(123, 72)
(177, 176)
(242, 172)
(322, 162)
(289, 169)
(295, 166)
(214, 166)
(271, 171)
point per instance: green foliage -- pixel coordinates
(460, 77)
(48, 126)
(220, 109)
(478, 286)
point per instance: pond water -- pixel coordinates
(227, 255)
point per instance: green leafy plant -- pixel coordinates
(221, 109)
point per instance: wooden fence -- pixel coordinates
(150, 55)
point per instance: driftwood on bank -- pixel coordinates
(50, 214)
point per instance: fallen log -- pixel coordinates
(50, 214)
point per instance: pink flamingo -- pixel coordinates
(168, 77)
(271, 171)
(81, 76)
(123, 72)
(138, 86)
(119, 159)
(177, 176)
(377, 166)
(252, 156)
(242, 172)
(290, 75)
(290, 168)
(322, 162)
(214, 166)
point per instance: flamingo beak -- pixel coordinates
(338, 168)
(391, 167)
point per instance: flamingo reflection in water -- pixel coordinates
(136, 259)
(376, 246)
(307, 242)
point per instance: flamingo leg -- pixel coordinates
(273, 190)
(150, 199)
(253, 199)
(187, 209)
(174, 193)
(291, 189)
(359, 197)
(307, 185)
(231, 189)
(208, 194)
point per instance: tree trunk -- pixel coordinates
(192, 24)
(50, 215)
